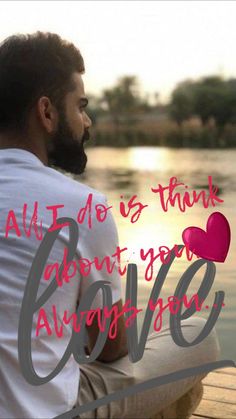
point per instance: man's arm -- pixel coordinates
(113, 348)
(101, 241)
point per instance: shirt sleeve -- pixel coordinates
(97, 245)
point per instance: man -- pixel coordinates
(43, 122)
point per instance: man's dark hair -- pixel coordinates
(31, 66)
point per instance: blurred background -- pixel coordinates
(161, 82)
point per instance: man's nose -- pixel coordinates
(87, 121)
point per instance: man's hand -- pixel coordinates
(113, 348)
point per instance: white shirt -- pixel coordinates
(25, 180)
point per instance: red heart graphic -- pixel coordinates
(212, 244)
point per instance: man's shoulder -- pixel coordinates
(69, 186)
(29, 181)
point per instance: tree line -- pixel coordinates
(211, 99)
(208, 98)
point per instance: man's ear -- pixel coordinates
(47, 114)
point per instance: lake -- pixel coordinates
(134, 171)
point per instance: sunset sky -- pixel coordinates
(160, 42)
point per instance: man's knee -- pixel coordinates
(209, 349)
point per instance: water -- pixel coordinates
(134, 171)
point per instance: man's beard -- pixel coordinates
(66, 151)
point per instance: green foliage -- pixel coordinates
(208, 98)
(181, 105)
(191, 138)
(124, 101)
(126, 118)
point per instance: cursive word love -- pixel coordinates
(31, 303)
